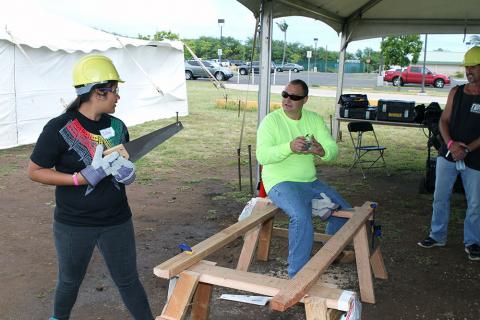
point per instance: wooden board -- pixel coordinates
(170, 268)
(177, 305)
(259, 283)
(306, 277)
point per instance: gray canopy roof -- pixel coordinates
(365, 19)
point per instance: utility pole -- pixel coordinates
(221, 22)
(424, 59)
(315, 40)
(326, 57)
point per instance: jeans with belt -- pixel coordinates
(75, 246)
(445, 176)
(295, 199)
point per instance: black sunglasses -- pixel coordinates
(293, 97)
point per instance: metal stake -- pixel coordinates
(250, 168)
(239, 171)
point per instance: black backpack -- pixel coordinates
(431, 118)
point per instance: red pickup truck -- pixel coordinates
(413, 74)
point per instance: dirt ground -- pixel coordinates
(191, 205)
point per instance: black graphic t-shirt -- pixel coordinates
(465, 125)
(68, 143)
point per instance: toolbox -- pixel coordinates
(396, 110)
(368, 113)
(353, 100)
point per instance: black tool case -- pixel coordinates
(369, 113)
(353, 100)
(396, 110)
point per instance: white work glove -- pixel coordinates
(100, 166)
(123, 170)
(323, 207)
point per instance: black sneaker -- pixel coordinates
(473, 251)
(430, 243)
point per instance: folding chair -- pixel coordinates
(360, 128)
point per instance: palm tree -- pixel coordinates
(283, 27)
(475, 40)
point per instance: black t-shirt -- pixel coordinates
(68, 143)
(465, 125)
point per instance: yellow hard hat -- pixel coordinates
(94, 68)
(472, 57)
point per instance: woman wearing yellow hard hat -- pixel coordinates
(91, 203)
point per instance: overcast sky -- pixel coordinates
(195, 18)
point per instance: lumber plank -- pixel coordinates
(317, 237)
(362, 257)
(378, 265)
(177, 305)
(170, 268)
(261, 284)
(201, 301)
(306, 277)
(250, 241)
(347, 256)
(263, 249)
(315, 308)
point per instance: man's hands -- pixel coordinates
(459, 150)
(300, 145)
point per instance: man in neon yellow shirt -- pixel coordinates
(289, 174)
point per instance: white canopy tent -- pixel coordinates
(362, 19)
(37, 53)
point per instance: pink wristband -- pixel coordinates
(449, 144)
(75, 179)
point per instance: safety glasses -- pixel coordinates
(112, 90)
(293, 97)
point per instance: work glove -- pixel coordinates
(323, 207)
(123, 170)
(100, 166)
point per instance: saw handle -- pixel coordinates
(120, 149)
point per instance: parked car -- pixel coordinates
(290, 66)
(413, 74)
(237, 62)
(224, 63)
(255, 66)
(193, 70)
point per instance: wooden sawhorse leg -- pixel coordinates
(178, 303)
(201, 301)
(362, 257)
(316, 309)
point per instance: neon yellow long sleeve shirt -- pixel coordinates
(280, 163)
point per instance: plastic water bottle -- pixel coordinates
(460, 165)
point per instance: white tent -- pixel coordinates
(37, 53)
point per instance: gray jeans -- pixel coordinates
(117, 245)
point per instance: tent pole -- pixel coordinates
(266, 22)
(340, 74)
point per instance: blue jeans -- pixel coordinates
(117, 245)
(295, 199)
(446, 174)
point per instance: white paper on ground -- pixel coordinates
(257, 300)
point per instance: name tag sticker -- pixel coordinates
(107, 133)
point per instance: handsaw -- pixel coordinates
(135, 149)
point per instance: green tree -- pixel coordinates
(283, 27)
(206, 48)
(168, 35)
(396, 50)
(160, 35)
(370, 57)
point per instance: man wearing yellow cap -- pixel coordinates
(460, 155)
